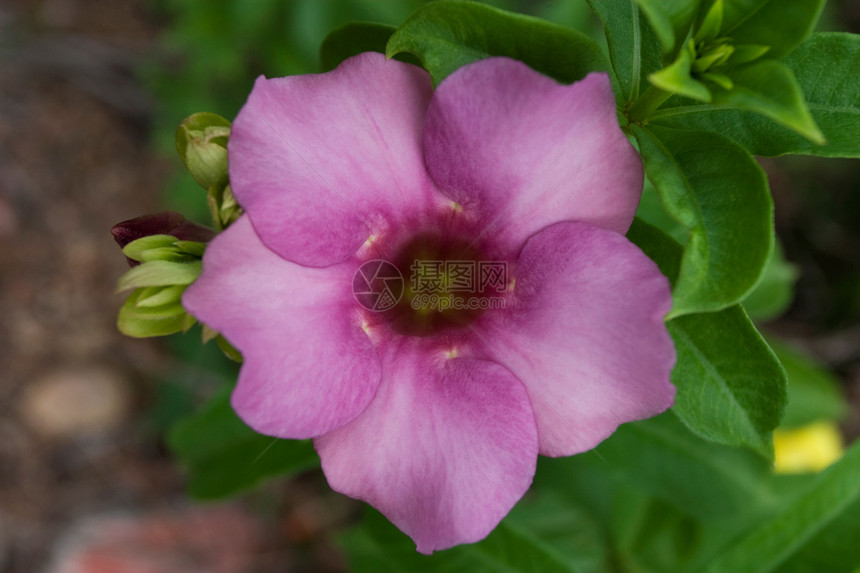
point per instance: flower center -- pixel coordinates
(433, 283)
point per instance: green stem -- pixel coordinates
(641, 109)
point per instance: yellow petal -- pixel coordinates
(809, 448)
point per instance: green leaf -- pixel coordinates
(731, 387)
(717, 191)
(669, 500)
(658, 245)
(814, 394)
(826, 67)
(746, 53)
(634, 49)
(677, 78)
(709, 28)
(769, 87)
(671, 19)
(775, 292)
(445, 35)
(651, 211)
(702, 479)
(817, 532)
(353, 39)
(160, 273)
(223, 456)
(543, 534)
(780, 24)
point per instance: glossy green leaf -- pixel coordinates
(223, 456)
(814, 394)
(780, 24)
(651, 211)
(353, 39)
(818, 532)
(658, 245)
(717, 191)
(769, 88)
(671, 19)
(677, 78)
(446, 34)
(731, 387)
(634, 48)
(826, 67)
(775, 292)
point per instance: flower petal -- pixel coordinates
(521, 151)
(584, 331)
(321, 161)
(445, 449)
(308, 365)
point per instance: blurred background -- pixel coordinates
(90, 95)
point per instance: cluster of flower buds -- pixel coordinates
(165, 249)
(164, 252)
(705, 57)
(201, 140)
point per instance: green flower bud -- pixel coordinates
(141, 321)
(201, 140)
(223, 206)
(712, 56)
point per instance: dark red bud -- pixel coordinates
(164, 223)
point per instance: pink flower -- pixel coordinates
(436, 418)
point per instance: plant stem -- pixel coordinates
(641, 109)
